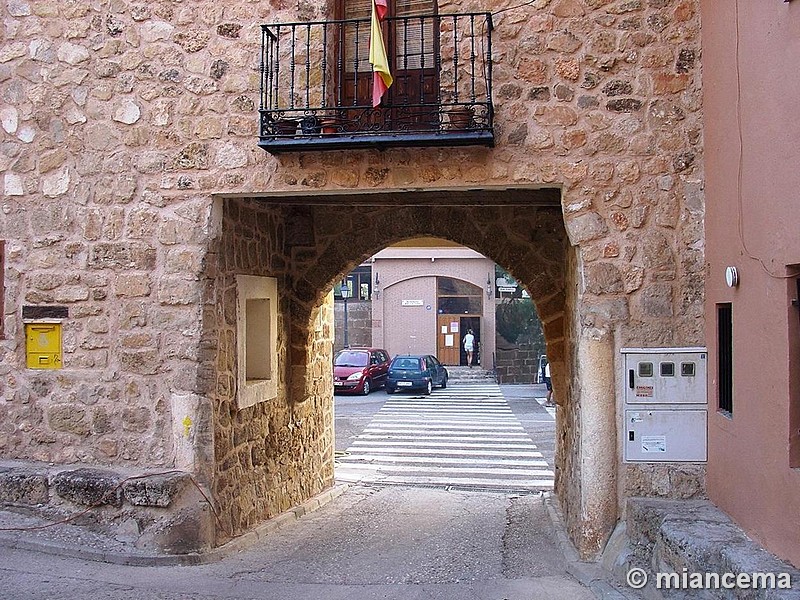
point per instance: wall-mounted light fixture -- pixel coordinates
(376, 288)
(489, 289)
(345, 295)
(731, 277)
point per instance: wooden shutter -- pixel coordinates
(414, 38)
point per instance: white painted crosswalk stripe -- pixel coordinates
(464, 436)
(486, 424)
(456, 436)
(352, 459)
(427, 444)
(437, 451)
(401, 425)
(461, 482)
(521, 472)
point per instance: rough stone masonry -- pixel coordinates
(131, 186)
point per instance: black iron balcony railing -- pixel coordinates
(316, 84)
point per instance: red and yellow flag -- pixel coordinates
(381, 76)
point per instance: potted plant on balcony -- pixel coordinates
(329, 124)
(461, 117)
(285, 126)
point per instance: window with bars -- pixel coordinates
(412, 40)
(725, 358)
(410, 45)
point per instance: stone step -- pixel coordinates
(467, 374)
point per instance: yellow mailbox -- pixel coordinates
(43, 345)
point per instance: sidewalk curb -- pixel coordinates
(134, 559)
(588, 574)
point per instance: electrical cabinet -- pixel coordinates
(665, 405)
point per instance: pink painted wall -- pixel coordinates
(752, 141)
(409, 329)
(409, 274)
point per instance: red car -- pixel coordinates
(360, 370)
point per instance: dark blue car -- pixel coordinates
(415, 372)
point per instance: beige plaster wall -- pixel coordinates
(408, 329)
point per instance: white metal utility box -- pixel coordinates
(665, 405)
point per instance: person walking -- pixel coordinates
(549, 385)
(469, 346)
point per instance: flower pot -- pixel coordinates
(461, 118)
(285, 126)
(329, 125)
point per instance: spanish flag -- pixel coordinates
(381, 76)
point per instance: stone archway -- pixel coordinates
(307, 243)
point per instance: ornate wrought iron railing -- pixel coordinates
(316, 84)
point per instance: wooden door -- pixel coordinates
(411, 45)
(352, 54)
(472, 322)
(448, 338)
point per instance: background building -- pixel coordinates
(422, 295)
(431, 293)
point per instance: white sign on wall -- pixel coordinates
(413, 303)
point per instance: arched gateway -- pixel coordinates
(322, 237)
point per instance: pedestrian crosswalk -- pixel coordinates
(463, 437)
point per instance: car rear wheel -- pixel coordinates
(366, 389)
(429, 387)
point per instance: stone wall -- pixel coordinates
(163, 512)
(121, 122)
(265, 455)
(517, 365)
(359, 323)
(690, 544)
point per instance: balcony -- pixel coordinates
(316, 84)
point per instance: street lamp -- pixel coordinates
(376, 289)
(345, 294)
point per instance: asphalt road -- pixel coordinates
(369, 543)
(354, 412)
